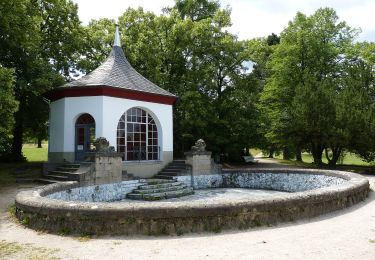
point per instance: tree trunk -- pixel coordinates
(336, 152)
(16, 152)
(299, 155)
(271, 152)
(317, 151)
(286, 153)
(40, 142)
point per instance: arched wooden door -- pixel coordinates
(84, 136)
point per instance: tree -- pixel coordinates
(197, 9)
(194, 57)
(260, 51)
(357, 102)
(39, 41)
(8, 105)
(301, 92)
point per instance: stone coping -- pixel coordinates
(185, 216)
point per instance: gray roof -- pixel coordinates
(117, 72)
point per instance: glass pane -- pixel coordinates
(81, 136)
(130, 128)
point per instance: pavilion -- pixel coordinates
(116, 102)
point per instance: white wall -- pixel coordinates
(56, 126)
(106, 112)
(114, 108)
(76, 106)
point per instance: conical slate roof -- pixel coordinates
(117, 72)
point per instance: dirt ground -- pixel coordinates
(345, 234)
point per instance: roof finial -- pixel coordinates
(117, 37)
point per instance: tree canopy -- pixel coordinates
(310, 88)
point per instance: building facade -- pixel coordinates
(116, 102)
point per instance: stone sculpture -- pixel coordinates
(200, 146)
(101, 145)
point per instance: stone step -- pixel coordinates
(172, 170)
(178, 161)
(159, 190)
(66, 169)
(166, 177)
(71, 165)
(161, 195)
(61, 173)
(171, 173)
(160, 185)
(178, 165)
(153, 181)
(48, 181)
(57, 177)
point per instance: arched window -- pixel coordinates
(137, 136)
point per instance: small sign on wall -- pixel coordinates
(79, 147)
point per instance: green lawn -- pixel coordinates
(349, 158)
(34, 154)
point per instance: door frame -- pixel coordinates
(86, 146)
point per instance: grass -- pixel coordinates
(362, 169)
(34, 154)
(349, 159)
(26, 169)
(14, 250)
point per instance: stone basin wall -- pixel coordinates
(281, 180)
(37, 209)
(96, 193)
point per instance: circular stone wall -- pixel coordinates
(315, 192)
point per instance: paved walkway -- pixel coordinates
(345, 234)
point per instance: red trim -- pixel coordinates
(110, 92)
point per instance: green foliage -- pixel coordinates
(8, 106)
(188, 52)
(310, 89)
(312, 99)
(40, 40)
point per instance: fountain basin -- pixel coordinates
(101, 209)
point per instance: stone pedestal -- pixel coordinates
(200, 160)
(107, 168)
(106, 164)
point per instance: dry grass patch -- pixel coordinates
(14, 250)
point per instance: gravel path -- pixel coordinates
(345, 234)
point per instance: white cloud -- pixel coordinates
(250, 18)
(89, 9)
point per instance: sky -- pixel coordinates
(250, 18)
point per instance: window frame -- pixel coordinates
(137, 137)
